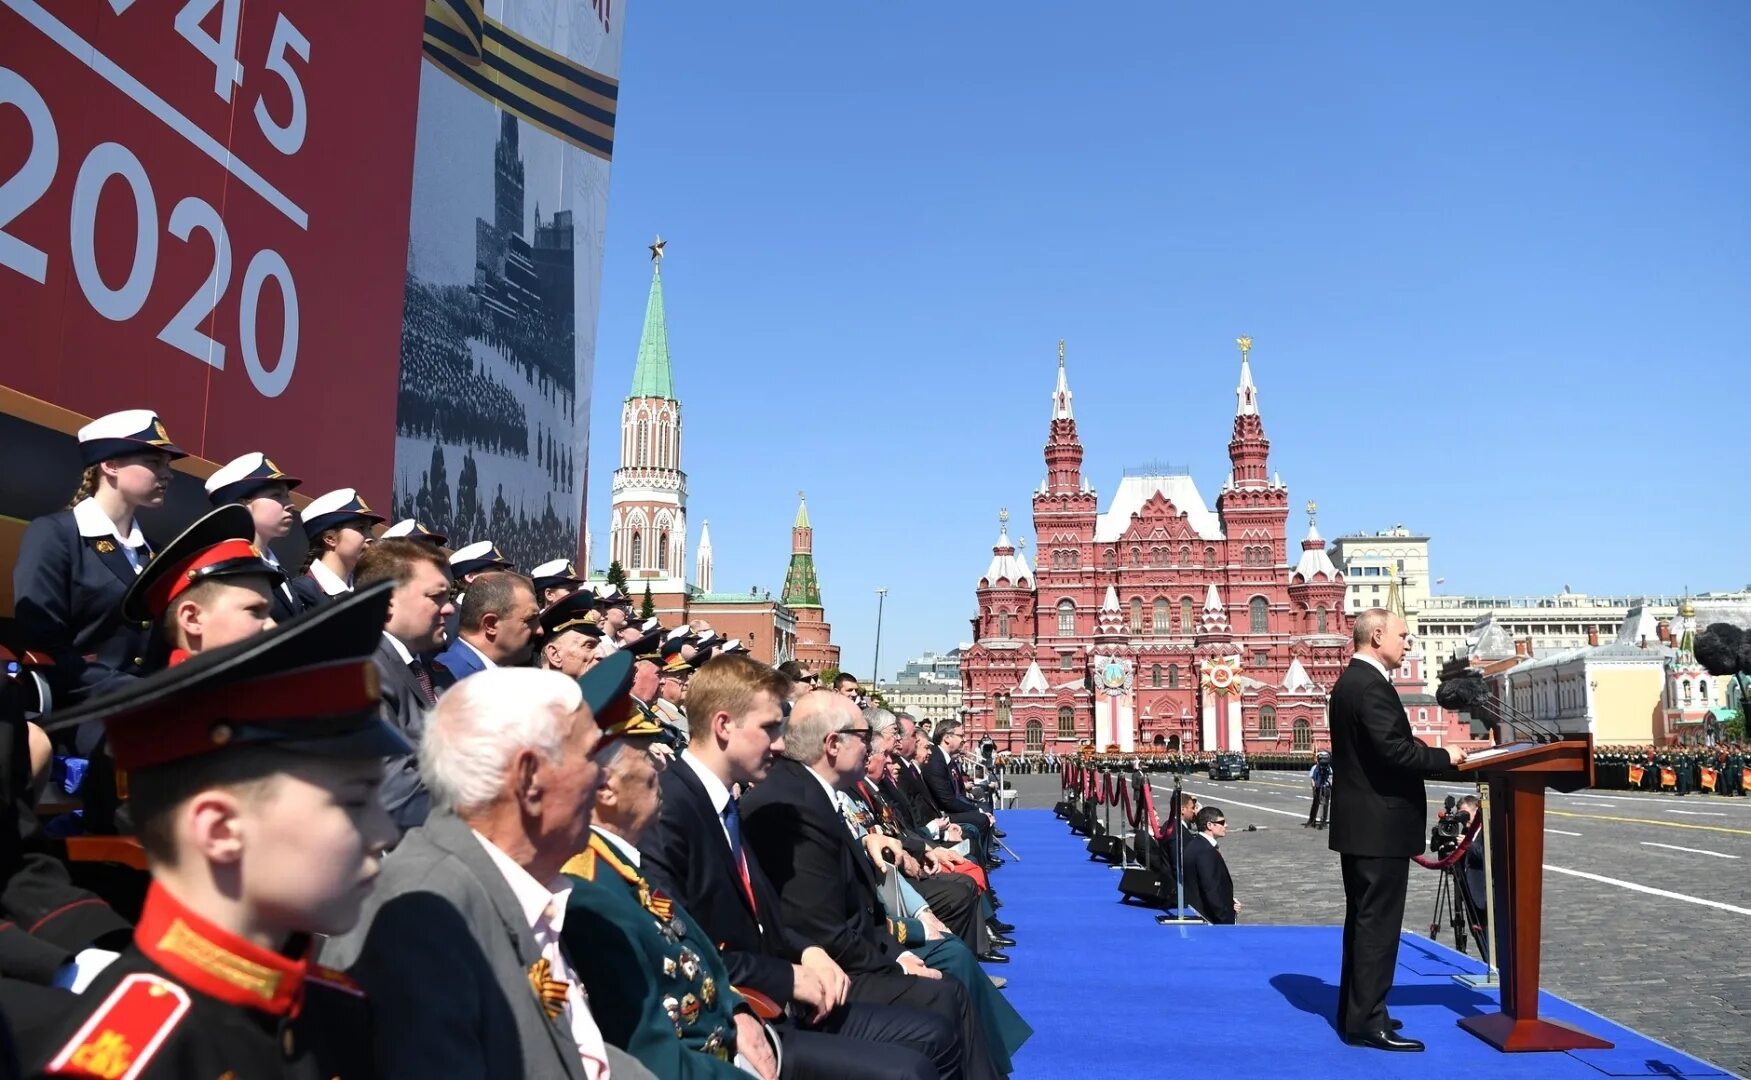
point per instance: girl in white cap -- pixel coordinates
(75, 565)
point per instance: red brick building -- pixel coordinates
(1158, 622)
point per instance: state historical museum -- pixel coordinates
(1157, 623)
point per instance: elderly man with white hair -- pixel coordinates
(460, 945)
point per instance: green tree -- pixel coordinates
(616, 575)
(1733, 730)
(648, 608)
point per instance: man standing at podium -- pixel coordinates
(1379, 819)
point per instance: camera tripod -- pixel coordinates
(1452, 899)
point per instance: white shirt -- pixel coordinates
(832, 792)
(327, 580)
(1376, 665)
(93, 522)
(544, 909)
(400, 649)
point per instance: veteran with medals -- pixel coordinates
(656, 983)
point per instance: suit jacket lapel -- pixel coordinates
(447, 831)
(719, 842)
(836, 826)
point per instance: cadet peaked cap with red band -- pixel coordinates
(309, 686)
(218, 545)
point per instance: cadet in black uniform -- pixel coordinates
(74, 565)
(256, 483)
(338, 525)
(254, 772)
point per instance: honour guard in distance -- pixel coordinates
(337, 525)
(657, 985)
(253, 774)
(74, 565)
(254, 482)
(208, 588)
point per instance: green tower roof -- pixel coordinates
(801, 590)
(652, 377)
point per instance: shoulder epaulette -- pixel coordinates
(581, 865)
(125, 1031)
(334, 979)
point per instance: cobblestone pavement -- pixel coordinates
(1647, 897)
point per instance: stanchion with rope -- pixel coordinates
(1105, 846)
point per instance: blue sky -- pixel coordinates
(1494, 259)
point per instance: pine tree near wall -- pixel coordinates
(649, 608)
(617, 575)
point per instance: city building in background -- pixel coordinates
(1157, 622)
(943, 668)
(1373, 561)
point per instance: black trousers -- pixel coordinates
(1374, 891)
(970, 1059)
(864, 1041)
(955, 900)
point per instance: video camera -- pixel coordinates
(1448, 830)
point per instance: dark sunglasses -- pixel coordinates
(1219, 821)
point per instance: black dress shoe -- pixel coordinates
(999, 833)
(998, 941)
(1384, 1040)
(998, 926)
(995, 957)
(1395, 1025)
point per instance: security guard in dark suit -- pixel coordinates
(658, 987)
(74, 565)
(189, 997)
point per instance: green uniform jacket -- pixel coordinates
(657, 987)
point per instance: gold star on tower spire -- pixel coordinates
(1245, 343)
(657, 249)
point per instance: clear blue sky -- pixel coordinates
(1494, 259)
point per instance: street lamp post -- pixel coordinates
(875, 676)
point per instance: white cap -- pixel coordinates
(404, 527)
(330, 501)
(553, 568)
(480, 549)
(238, 468)
(118, 425)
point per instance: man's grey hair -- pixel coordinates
(483, 722)
(1369, 621)
(881, 721)
(812, 719)
(944, 729)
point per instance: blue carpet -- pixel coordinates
(1111, 994)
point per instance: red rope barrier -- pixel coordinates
(1456, 854)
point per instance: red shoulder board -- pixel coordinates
(125, 1031)
(334, 979)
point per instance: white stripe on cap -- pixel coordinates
(126, 424)
(234, 470)
(329, 502)
(480, 549)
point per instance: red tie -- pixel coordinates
(733, 825)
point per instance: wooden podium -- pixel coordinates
(1518, 773)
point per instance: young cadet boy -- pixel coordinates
(209, 587)
(254, 772)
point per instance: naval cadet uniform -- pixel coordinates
(338, 509)
(73, 567)
(240, 481)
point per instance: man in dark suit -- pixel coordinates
(828, 887)
(930, 801)
(415, 628)
(1209, 887)
(1378, 821)
(694, 853)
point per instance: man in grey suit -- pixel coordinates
(415, 628)
(460, 946)
(1379, 817)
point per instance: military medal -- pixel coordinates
(689, 1009)
(689, 963)
(669, 967)
(673, 1009)
(708, 990)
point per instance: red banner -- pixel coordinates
(204, 211)
(1635, 775)
(1668, 777)
(1708, 778)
